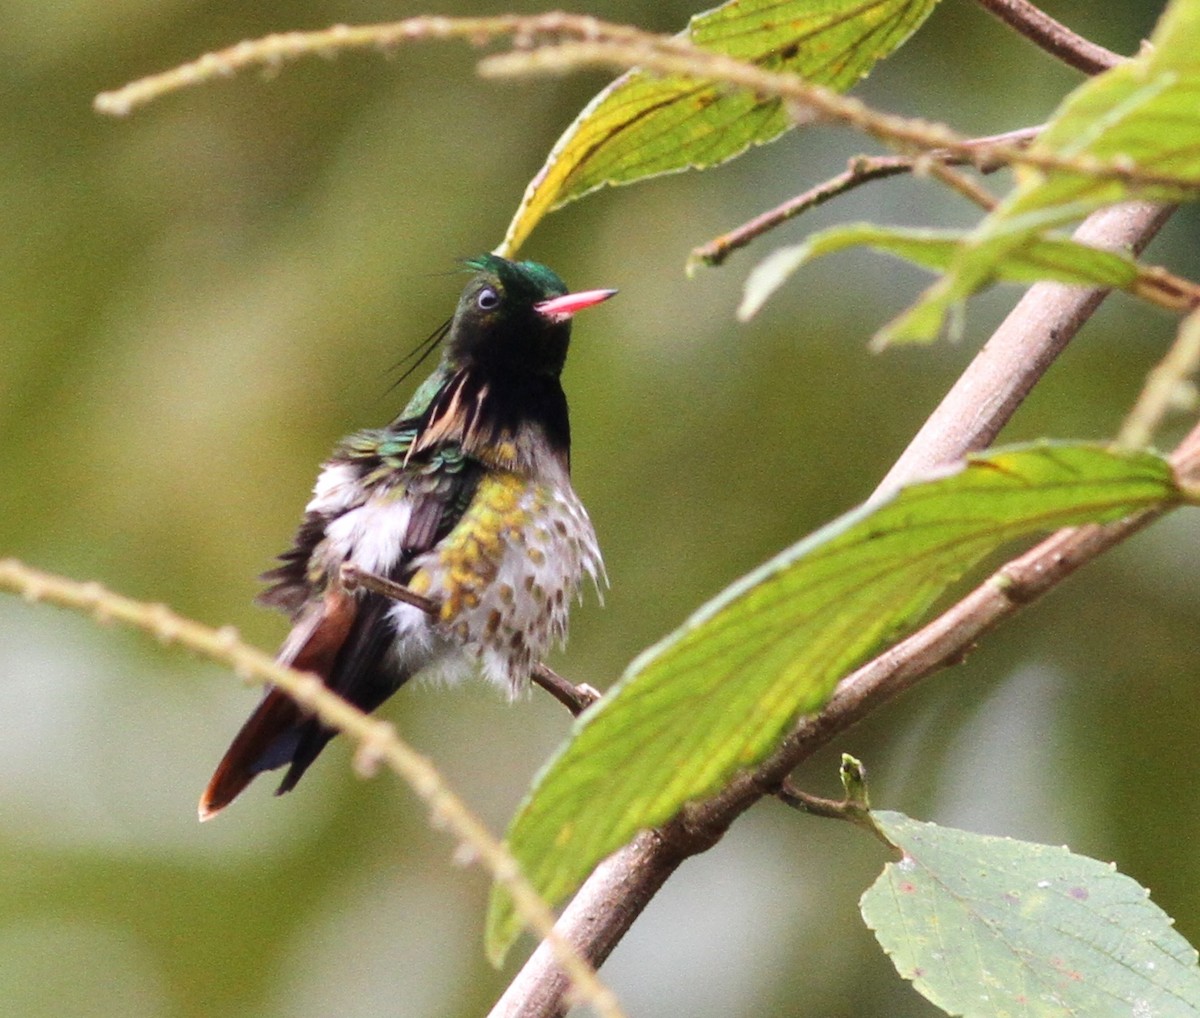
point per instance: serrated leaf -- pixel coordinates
(1142, 114)
(988, 927)
(1046, 257)
(717, 695)
(643, 125)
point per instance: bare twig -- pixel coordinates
(1052, 36)
(575, 698)
(1159, 286)
(832, 809)
(377, 740)
(675, 56)
(861, 170)
(970, 189)
(272, 51)
(1037, 330)
(590, 42)
(352, 577)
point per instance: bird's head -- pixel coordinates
(514, 318)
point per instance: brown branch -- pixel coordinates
(1162, 287)
(676, 56)
(794, 796)
(860, 170)
(1052, 36)
(969, 418)
(578, 42)
(575, 698)
(970, 189)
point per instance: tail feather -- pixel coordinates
(271, 735)
(345, 642)
(266, 741)
(358, 676)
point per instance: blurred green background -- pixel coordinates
(198, 301)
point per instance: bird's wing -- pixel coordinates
(342, 637)
(358, 468)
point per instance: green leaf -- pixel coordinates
(987, 927)
(643, 125)
(717, 695)
(1046, 257)
(1141, 114)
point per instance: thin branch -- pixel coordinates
(1053, 36)
(352, 577)
(575, 698)
(974, 192)
(1036, 331)
(271, 52)
(594, 43)
(855, 799)
(1164, 386)
(377, 740)
(861, 170)
(792, 795)
(1162, 287)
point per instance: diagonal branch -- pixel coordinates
(969, 418)
(1053, 36)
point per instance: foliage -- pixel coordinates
(716, 695)
(989, 926)
(1141, 113)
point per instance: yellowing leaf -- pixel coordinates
(643, 125)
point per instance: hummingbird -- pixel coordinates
(464, 498)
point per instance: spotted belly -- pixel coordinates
(506, 574)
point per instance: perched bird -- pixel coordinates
(465, 498)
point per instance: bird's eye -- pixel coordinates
(488, 299)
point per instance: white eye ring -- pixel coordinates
(488, 299)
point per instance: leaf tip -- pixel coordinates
(499, 929)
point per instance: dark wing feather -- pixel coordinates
(343, 638)
(289, 586)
